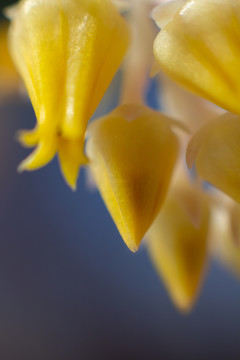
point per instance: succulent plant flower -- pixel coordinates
(177, 243)
(67, 53)
(132, 152)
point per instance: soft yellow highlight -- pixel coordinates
(225, 242)
(177, 244)
(132, 152)
(67, 53)
(199, 48)
(9, 79)
(215, 149)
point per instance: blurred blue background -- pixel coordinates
(69, 287)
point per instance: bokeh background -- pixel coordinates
(69, 287)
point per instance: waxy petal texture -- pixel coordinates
(178, 245)
(215, 149)
(132, 153)
(164, 13)
(199, 48)
(67, 53)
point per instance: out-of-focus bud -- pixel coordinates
(177, 243)
(216, 153)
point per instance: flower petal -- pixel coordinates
(71, 157)
(178, 248)
(200, 49)
(132, 152)
(163, 13)
(43, 153)
(29, 138)
(216, 152)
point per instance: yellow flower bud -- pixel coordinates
(67, 53)
(132, 153)
(199, 48)
(177, 244)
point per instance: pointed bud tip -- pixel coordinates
(132, 247)
(73, 186)
(185, 307)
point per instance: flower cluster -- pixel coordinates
(68, 51)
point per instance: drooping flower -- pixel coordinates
(67, 53)
(132, 152)
(177, 243)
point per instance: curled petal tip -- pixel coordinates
(44, 152)
(28, 138)
(22, 166)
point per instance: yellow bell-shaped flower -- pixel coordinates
(67, 53)
(132, 152)
(199, 48)
(177, 243)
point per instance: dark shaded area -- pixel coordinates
(69, 287)
(4, 3)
